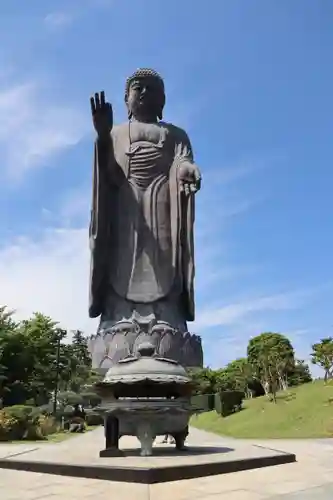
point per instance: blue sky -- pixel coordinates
(251, 82)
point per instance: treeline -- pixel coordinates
(37, 358)
(270, 366)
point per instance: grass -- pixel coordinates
(301, 412)
(57, 437)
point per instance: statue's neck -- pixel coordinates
(144, 119)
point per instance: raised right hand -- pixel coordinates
(102, 115)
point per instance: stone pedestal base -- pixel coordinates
(110, 346)
(111, 452)
(202, 459)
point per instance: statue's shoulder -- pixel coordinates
(119, 129)
(177, 133)
(119, 135)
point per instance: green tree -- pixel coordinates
(225, 380)
(28, 359)
(240, 374)
(299, 374)
(83, 358)
(271, 356)
(6, 319)
(35, 358)
(75, 362)
(204, 380)
(41, 338)
(322, 355)
(7, 329)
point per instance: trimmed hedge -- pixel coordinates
(224, 403)
(218, 403)
(228, 402)
(86, 399)
(204, 401)
(93, 418)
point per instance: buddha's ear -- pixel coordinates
(160, 112)
(129, 112)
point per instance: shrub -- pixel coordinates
(218, 403)
(231, 401)
(211, 402)
(25, 417)
(204, 401)
(69, 398)
(7, 425)
(25, 422)
(33, 432)
(90, 399)
(93, 418)
(48, 425)
(201, 401)
(21, 412)
(46, 409)
(62, 412)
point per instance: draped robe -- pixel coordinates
(141, 229)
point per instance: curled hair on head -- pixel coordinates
(143, 73)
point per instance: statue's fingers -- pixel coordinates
(193, 188)
(92, 105)
(110, 110)
(102, 98)
(97, 101)
(187, 189)
(198, 179)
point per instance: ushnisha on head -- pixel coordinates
(145, 95)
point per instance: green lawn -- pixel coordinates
(300, 412)
(57, 437)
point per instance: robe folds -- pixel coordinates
(141, 228)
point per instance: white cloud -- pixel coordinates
(234, 313)
(75, 206)
(33, 128)
(232, 338)
(55, 20)
(50, 276)
(72, 11)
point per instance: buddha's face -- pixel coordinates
(145, 99)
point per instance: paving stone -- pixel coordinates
(311, 477)
(324, 492)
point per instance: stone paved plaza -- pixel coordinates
(311, 477)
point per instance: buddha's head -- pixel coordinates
(144, 95)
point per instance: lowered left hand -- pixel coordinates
(190, 178)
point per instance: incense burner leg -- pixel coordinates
(111, 431)
(146, 436)
(180, 438)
